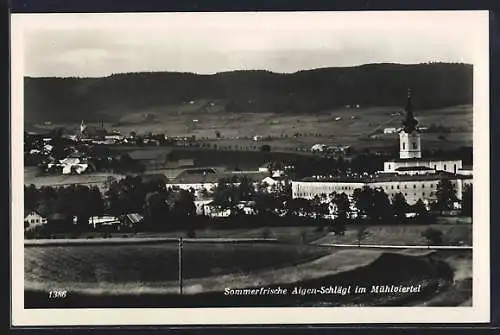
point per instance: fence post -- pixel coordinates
(180, 264)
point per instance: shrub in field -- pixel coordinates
(266, 233)
(361, 234)
(191, 233)
(433, 236)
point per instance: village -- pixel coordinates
(142, 188)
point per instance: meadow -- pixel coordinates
(154, 264)
(145, 276)
(361, 127)
(403, 234)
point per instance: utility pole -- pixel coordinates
(179, 248)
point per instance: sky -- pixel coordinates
(94, 45)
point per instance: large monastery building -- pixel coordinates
(413, 176)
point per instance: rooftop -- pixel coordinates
(430, 159)
(154, 177)
(149, 154)
(414, 168)
(387, 177)
(200, 176)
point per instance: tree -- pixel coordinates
(399, 205)
(433, 236)
(155, 208)
(361, 234)
(420, 208)
(467, 200)
(47, 203)
(225, 193)
(446, 195)
(373, 203)
(31, 197)
(126, 196)
(363, 199)
(381, 207)
(297, 205)
(184, 204)
(245, 190)
(342, 205)
(265, 148)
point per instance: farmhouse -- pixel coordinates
(390, 130)
(92, 132)
(414, 177)
(131, 220)
(202, 180)
(33, 219)
(97, 221)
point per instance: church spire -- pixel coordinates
(409, 122)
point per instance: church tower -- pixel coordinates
(83, 127)
(409, 139)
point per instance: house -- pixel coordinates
(318, 148)
(390, 130)
(100, 221)
(157, 178)
(274, 184)
(247, 207)
(415, 177)
(130, 221)
(33, 219)
(151, 158)
(201, 206)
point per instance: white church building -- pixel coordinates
(413, 176)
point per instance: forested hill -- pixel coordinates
(68, 99)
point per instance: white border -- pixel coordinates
(479, 312)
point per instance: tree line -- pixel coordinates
(66, 99)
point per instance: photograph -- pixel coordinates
(298, 163)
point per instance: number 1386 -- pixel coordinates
(58, 294)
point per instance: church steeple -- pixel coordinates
(409, 139)
(409, 122)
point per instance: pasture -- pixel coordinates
(154, 265)
(403, 234)
(146, 275)
(95, 179)
(346, 126)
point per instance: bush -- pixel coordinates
(433, 236)
(265, 148)
(266, 233)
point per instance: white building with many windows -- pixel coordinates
(413, 176)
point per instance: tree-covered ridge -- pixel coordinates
(68, 99)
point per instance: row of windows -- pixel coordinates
(406, 186)
(304, 194)
(334, 188)
(413, 144)
(34, 221)
(435, 167)
(392, 187)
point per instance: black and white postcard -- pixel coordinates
(250, 168)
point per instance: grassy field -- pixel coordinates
(153, 265)
(409, 234)
(403, 235)
(362, 267)
(354, 127)
(95, 179)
